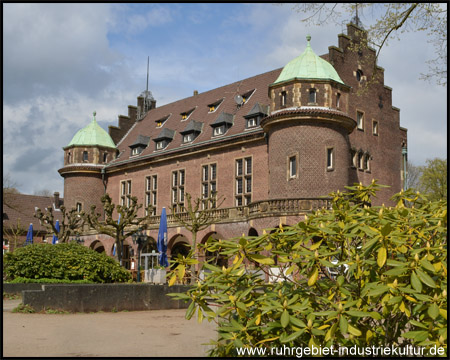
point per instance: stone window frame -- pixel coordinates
(125, 192)
(375, 127)
(151, 193)
(245, 197)
(209, 182)
(333, 157)
(85, 156)
(283, 99)
(288, 167)
(363, 119)
(177, 189)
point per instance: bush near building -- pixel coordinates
(65, 261)
(355, 274)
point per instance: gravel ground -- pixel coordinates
(162, 333)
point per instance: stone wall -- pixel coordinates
(104, 297)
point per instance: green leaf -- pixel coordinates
(427, 280)
(397, 271)
(378, 290)
(284, 338)
(354, 331)
(329, 313)
(386, 230)
(313, 276)
(427, 265)
(261, 259)
(190, 311)
(241, 305)
(419, 324)
(433, 311)
(296, 322)
(416, 335)
(285, 318)
(381, 257)
(415, 282)
(343, 324)
(358, 313)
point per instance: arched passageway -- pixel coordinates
(98, 246)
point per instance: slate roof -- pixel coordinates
(201, 113)
(224, 118)
(165, 134)
(140, 140)
(257, 109)
(22, 207)
(193, 126)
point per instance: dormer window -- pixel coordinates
(214, 106)
(312, 96)
(160, 122)
(192, 130)
(164, 138)
(252, 122)
(219, 130)
(247, 95)
(185, 115)
(222, 124)
(139, 145)
(188, 138)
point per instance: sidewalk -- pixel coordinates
(164, 333)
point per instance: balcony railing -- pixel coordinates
(258, 209)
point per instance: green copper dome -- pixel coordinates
(308, 66)
(92, 134)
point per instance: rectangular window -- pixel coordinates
(85, 156)
(151, 193)
(251, 123)
(160, 145)
(360, 160)
(292, 167)
(125, 193)
(283, 99)
(360, 120)
(243, 180)
(366, 162)
(330, 158)
(338, 100)
(312, 96)
(209, 173)
(178, 181)
(375, 128)
(219, 130)
(188, 138)
(79, 207)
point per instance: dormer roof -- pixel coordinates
(193, 126)
(140, 141)
(165, 134)
(223, 118)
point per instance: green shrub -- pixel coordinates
(355, 275)
(21, 280)
(65, 261)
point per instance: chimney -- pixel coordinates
(195, 92)
(56, 195)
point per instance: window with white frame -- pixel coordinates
(251, 122)
(151, 193)
(178, 181)
(360, 120)
(292, 167)
(188, 138)
(209, 184)
(219, 130)
(125, 193)
(330, 158)
(243, 181)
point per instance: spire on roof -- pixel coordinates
(94, 113)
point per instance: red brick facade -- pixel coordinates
(327, 143)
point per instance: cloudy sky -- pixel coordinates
(63, 61)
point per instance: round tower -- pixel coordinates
(308, 127)
(84, 159)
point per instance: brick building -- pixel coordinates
(271, 144)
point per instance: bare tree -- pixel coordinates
(196, 216)
(413, 174)
(13, 234)
(128, 225)
(71, 222)
(43, 192)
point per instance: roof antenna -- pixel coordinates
(146, 89)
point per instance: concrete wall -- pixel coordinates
(104, 297)
(18, 288)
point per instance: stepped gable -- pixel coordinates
(201, 113)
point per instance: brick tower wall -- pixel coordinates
(84, 188)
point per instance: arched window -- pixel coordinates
(312, 96)
(359, 75)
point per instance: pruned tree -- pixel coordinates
(43, 192)
(388, 22)
(71, 222)
(128, 225)
(195, 216)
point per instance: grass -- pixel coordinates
(9, 296)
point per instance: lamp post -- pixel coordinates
(139, 238)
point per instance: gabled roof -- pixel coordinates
(193, 126)
(22, 207)
(257, 109)
(223, 118)
(200, 103)
(92, 135)
(140, 141)
(165, 134)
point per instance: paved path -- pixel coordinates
(124, 334)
